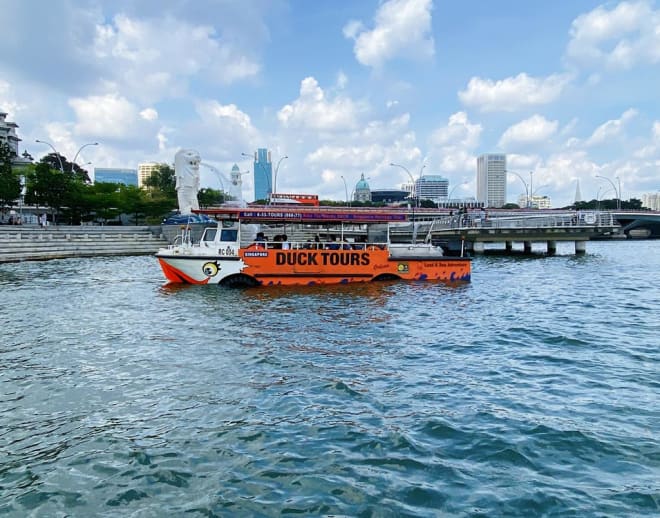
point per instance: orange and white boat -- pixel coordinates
(296, 245)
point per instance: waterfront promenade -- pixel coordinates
(34, 243)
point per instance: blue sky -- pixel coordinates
(568, 90)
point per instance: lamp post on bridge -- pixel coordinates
(413, 204)
(524, 183)
(616, 192)
(277, 169)
(453, 189)
(345, 188)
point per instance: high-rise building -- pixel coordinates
(144, 172)
(8, 134)
(431, 187)
(535, 202)
(115, 175)
(263, 174)
(491, 180)
(651, 200)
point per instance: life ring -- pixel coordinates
(590, 218)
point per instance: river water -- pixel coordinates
(533, 390)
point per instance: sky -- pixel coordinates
(568, 90)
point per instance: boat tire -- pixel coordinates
(240, 280)
(386, 277)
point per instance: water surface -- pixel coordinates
(532, 390)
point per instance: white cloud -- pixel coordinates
(155, 57)
(312, 110)
(402, 30)
(149, 114)
(228, 114)
(620, 38)
(610, 129)
(652, 149)
(452, 148)
(512, 93)
(535, 130)
(7, 103)
(107, 116)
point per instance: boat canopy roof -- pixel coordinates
(307, 214)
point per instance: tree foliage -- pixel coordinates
(55, 160)
(10, 182)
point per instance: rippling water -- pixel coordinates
(533, 390)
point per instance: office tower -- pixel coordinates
(263, 174)
(431, 187)
(491, 180)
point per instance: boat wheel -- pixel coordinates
(239, 280)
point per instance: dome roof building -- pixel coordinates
(362, 190)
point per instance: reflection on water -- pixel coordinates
(530, 391)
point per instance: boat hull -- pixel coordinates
(307, 267)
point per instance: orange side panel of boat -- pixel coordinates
(291, 267)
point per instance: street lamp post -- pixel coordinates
(413, 205)
(218, 174)
(345, 187)
(616, 192)
(277, 169)
(524, 183)
(59, 158)
(453, 189)
(413, 191)
(73, 162)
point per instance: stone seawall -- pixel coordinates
(33, 243)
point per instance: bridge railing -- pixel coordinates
(579, 219)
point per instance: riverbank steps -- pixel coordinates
(34, 243)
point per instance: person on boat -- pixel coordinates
(285, 242)
(261, 240)
(333, 244)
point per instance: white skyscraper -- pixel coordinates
(491, 180)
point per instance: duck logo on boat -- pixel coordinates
(210, 269)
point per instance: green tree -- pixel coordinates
(10, 183)
(54, 160)
(163, 180)
(210, 197)
(133, 201)
(49, 187)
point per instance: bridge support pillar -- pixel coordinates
(552, 247)
(527, 247)
(478, 247)
(508, 246)
(580, 247)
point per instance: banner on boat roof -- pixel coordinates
(321, 216)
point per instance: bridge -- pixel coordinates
(637, 224)
(498, 231)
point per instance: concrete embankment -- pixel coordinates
(28, 243)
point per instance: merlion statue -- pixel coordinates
(186, 170)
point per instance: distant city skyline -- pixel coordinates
(567, 90)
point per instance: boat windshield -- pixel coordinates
(209, 234)
(229, 234)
